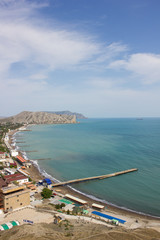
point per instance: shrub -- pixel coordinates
(57, 206)
(62, 205)
(46, 193)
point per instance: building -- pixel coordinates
(9, 171)
(17, 177)
(97, 206)
(47, 182)
(21, 160)
(14, 153)
(75, 199)
(13, 197)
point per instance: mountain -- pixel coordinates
(39, 118)
(78, 115)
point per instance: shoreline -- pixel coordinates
(37, 174)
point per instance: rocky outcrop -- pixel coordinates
(39, 118)
(78, 115)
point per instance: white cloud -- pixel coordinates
(41, 49)
(38, 76)
(19, 9)
(49, 48)
(25, 38)
(144, 65)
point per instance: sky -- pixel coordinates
(97, 57)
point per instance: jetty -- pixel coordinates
(94, 178)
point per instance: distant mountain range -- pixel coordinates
(39, 118)
(78, 115)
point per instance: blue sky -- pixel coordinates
(100, 58)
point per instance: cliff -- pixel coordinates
(39, 118)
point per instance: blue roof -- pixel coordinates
(108, 216)
(47, 180)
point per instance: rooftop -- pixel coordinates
(75, 199)
(15, 177)
(11, 188)
(21, 159)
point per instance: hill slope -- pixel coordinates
(39, 118)
(51, 231)
(78, 115)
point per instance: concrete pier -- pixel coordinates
(94, 178)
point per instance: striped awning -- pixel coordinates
(8, 225)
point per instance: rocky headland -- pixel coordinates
(27, 117)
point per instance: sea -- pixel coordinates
(96, 147)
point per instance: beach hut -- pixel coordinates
(97, 206)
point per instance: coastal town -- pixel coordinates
(27, 197)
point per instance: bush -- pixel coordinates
(46, 193)
(59, 206)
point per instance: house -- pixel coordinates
(18, 177)
(13, 197)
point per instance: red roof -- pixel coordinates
(14, 177)
(2, 152)
(21, 159)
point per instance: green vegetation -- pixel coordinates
(59, 206)
(16, 183)
(4, 128)
(46, 193)
(30, 179)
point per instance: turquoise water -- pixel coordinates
(102, 146)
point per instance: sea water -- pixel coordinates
(102, 146)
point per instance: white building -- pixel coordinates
(14, 153)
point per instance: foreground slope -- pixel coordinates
(76, 231)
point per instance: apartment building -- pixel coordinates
(13, 197)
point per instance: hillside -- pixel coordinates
(39, 118)
(78, 115)
(76, 231)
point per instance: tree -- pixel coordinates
(46, 193)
